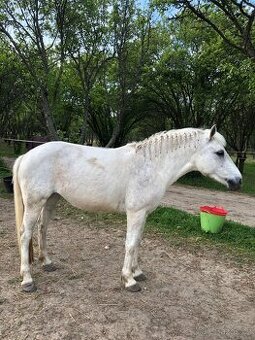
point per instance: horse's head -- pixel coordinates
(212, 160)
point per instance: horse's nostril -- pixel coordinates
(230, 182)
(234, 183)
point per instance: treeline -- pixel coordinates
(112, 71)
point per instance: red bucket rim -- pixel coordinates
(220, 211)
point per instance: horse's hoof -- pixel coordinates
(140, 277)
(134, 288)
(49, 267)
(29, 287)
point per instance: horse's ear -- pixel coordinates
(212, 131)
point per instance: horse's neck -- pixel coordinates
(175, 165)
(171, 152)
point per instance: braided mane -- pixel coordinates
(168, 141)
(164, 142)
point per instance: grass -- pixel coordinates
(197, 180)
(183, 227)
(178, 228)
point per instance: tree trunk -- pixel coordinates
(240, 160)
(115, 135)
(48, 118)
(86, 114)
(84, 129)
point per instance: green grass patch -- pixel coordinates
(197, 180)
(185, 228)
(179, 228)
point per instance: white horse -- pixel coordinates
(132, 178)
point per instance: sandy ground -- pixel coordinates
(239, 206)
(190, 293)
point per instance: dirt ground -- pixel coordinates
(189, 294)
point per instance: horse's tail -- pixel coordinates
(19, 206)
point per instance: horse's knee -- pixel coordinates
(130, 250)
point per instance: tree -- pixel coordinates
(89, 49)
(239, 124)
(34, 30)
(185, 82)
(131, 39)
(17, 101)
(232, 20)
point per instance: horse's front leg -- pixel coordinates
(135, 224)
(137, 272)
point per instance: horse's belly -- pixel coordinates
(97, 206)
(95, 203)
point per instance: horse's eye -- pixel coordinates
(220, 153)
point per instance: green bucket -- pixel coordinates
(212, 218)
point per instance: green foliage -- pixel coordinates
(16, 116)
(105, 71)
(4, 170)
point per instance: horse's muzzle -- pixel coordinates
(234, 183)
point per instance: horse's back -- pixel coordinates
(88, 177)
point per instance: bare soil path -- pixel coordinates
(190, 293)
(241, 207)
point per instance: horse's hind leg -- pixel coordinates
(46, 214)
(30, 218)
(135, 224)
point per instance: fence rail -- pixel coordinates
(17, 143)
(22, 141)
